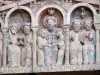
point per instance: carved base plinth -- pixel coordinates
(66, 68)
(37, 69)
(15, 70)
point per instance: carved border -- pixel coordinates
(66, 68)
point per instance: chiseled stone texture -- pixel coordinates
(49, 36)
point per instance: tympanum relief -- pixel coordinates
(52, 43)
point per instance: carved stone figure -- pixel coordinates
(61, 46)
(27, 45)
(14, 52)
(89, 42)
(75, 44)
(41, 42)
(52, 47)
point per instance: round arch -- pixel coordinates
(16, 8)
(78, 5)
(63, 12)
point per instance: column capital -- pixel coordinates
(66, 27)
(34, 29)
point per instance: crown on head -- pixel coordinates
(51, 11)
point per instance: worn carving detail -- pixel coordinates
(48, 36)
(75, 43)
(14, 52)
(82, 36)
(52, 48)
(89, 42)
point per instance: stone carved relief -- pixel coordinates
(28, 45)
(75, 43)
(82, 40)
(51, 52)
(50, 42)
(14, 52)
(88, 40)
(20, 43)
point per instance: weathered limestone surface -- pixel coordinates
(48, 36)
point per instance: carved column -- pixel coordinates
(34, 46)
(97, 27)
(4, 30)
(66, 32)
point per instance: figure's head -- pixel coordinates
(26, 28)
(76, 24)
(50, 22)
(14, 28)
(20, 40)
(88, 23)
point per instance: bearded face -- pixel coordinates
(77, 25)
(26, 29)
(50, 25)
(88, 25)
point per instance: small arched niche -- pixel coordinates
(77, 12)
(19, 16)
(82, 28)
(57, 14)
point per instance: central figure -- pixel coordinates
(51, 50)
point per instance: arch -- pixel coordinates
(16, 8)
(78, 5)
(63, 12)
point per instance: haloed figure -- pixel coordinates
(14, 52)
(28, 45)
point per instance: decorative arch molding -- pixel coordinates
(63, 12)
(79, 5)
(16, 8)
